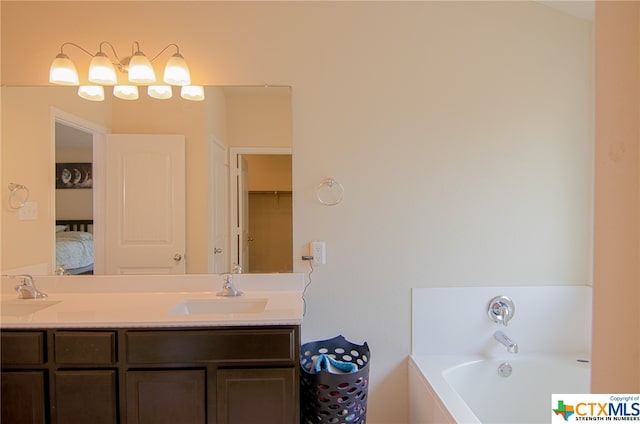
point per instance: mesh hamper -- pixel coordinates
(334, 398)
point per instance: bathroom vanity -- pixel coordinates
(140, 357)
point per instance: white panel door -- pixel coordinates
(145, 204)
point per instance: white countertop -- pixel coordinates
(145, 301)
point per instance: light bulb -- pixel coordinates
(140, 69)
(95, 93)
(192, 92)
(159, 91)
(101, 70)
(176, 72)
(63, 71)
(126, 92)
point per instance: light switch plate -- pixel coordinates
(29, 212)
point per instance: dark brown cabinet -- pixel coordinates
(225, 375)
(22, 397)
(169, 397)
(85, 397)
(256, 396)
(23, 383)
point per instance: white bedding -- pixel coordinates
(74, 249)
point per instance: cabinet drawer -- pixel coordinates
(259, 345)
(22, 348)
(77, 348)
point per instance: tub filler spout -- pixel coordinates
(505, 340)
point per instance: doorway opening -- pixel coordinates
(262, 210)
(76, 193)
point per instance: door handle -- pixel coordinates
(217, 250)
(177, 257)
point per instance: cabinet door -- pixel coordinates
(22, 397)
(159, 397)
(256, 396)
(85, 397)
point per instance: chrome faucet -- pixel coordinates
(27, 289)
(512, 347)
(229, 288)
(61, 270)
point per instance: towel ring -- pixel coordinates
(13, 190)
(329, 192)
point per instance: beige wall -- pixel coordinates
(461, 132)
(256, 120)
(616, 315)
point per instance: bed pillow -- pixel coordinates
(60, 228)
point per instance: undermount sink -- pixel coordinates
(229, 305)
(18, 308)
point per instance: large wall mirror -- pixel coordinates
(234, 160)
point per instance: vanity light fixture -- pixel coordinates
(105, 69)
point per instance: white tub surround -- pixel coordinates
(453, 340)
(548, 320)
(147, 301)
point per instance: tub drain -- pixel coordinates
(505, 369)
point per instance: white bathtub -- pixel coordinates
(468, 389)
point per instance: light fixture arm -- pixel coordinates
(75, 45)
(165, 48)
(119, 63)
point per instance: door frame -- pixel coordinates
(98, 133)
(214, 208)
(235, 200)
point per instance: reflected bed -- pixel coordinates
(74, 246)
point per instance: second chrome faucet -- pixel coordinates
(229, 288)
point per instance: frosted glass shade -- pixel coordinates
(101, 70)
(192, 92)
(176, 72)
(159, 91)
(140, 69)
(126, 92)
(95, 93)
(63, 71)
